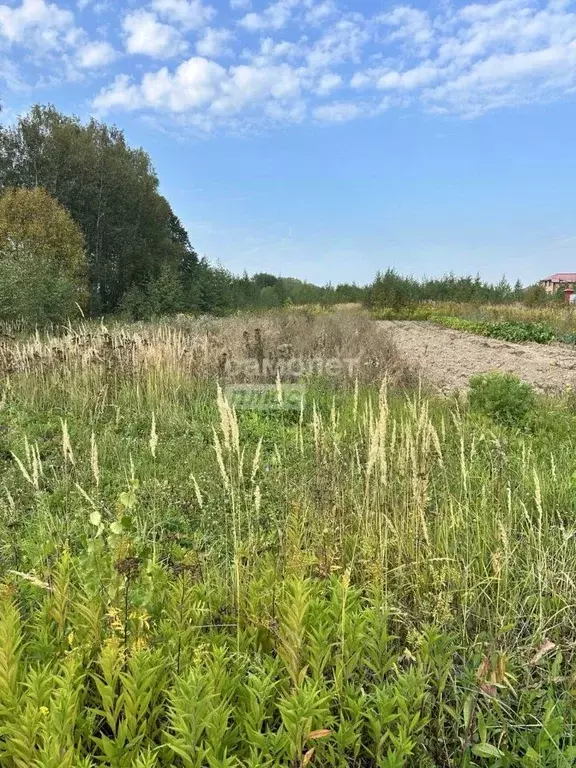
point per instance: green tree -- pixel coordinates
(393, 291)
(558, 296)
(269, 298)
(535, 296)
(110, 190)
(213, 290)
(165, 294)
(42, 257)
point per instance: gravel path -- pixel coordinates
(448, 358)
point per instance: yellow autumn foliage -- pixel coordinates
(40, 240)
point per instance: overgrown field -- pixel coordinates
(361, 576)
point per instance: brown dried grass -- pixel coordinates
(246, 347)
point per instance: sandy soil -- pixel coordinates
(448, 358)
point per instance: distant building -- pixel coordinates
(559, 280)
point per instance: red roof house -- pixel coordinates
(560, 279)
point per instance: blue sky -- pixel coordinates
(323, 139)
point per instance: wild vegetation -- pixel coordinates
(258, 540)
(364, 575)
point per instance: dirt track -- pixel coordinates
(448, 358)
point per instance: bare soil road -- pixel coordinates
(448, 358)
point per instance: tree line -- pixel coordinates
(390, 289)
(74, 192)
(138, 256)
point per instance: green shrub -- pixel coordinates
(42, 259)
(535, 296)
(37, 293)
(503, 398)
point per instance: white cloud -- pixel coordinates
(36, 23)
(339, 112)
(201, 84)
(191, 14)
(410, 25)
(341, 42)
(150, 37)
(482, 57)
(195, 83)
(247, 85)
(460, 60)
(122, 94)
(95, 54)
(409, 79)
(271, 51)
(282, 112)
(213, 42)
(102, 7)
(10, 75)
(362, 79)
(520, 30)
(252, 21)
(508, 79)
(318, 12)
(485, 11)
(275, 16)
(328, 82)
(98, 6)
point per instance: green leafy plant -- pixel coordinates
(502, 397)
(506, 331)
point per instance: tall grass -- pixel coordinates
(208, 347)
(377, 578)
